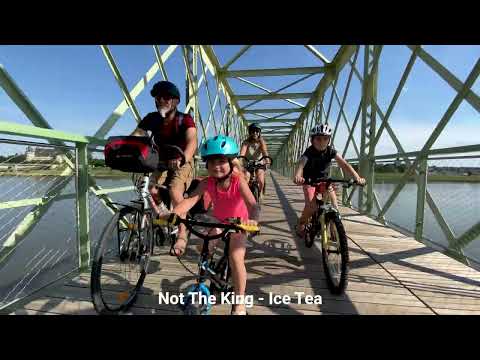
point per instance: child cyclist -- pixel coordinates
(314, 164)
(231, 197)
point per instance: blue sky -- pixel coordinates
(74, 88)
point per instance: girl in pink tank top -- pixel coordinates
(231, 198)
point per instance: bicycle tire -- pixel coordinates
(102, 302)
(196, 308)
(336, 283)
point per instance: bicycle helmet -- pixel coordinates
(165, 88)
(253, 127)
(321, 129)
(219, 145)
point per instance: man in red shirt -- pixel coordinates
(169, 126)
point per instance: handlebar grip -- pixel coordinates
(249, 228)
(173, 219)
(161, 222)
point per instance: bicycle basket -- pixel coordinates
(131, 154)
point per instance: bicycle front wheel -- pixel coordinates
(121, 260)
(335, 254)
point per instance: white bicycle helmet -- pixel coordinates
(321, 129)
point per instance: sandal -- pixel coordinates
(241, 312)
(178, 250)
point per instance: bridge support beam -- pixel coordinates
(368, 127)
(83, 227)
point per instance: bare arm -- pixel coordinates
(191, 138)
(298, 177)
(252, 206)
(190, 202)
(263, 147)
(346, 167)
(139, 132)
(244, 148)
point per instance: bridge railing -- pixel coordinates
(208, 98)
(46, 207)
(438, 203)
(364, 120)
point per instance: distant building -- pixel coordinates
(45, 155)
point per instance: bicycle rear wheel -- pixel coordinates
(121, 261)
(335, 255)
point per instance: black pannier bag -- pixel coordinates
(131, 154)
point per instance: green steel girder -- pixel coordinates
(273, 92)
(435, 134)
(396, 95)
(283, 96)
(160, 62)
(341, 112)
(421, 199)
(211, 60)
(368, 126)
(272, 72)
(271, 120)
(83, 226)
(465, 239)
(341, 58)
(137, 89)
(317, 53)
(236, 57)
(276, 127)
(12, 128)
(446, 75)
(271, 111)
(121, 82)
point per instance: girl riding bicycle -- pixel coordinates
(314, 164)
(231, 198)
(254, 148)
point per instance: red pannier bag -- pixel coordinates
(131, 154)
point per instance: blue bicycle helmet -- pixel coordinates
(219, 145)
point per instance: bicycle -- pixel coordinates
(122, 256)
(252, 166)
(325, 225)
(216, 270)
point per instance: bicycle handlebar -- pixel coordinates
(233, 224)
(253, 165)
(328, 181)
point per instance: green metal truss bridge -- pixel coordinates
(26, 212)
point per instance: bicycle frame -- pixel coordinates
(205, 270)
(322, 207)
(252, 167)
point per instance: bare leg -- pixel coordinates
(261, 180)
(176, 194)
(309, 208)
(237, 263)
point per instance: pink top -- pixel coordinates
(227, 203)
